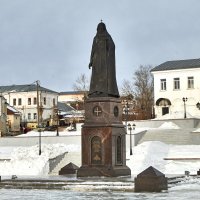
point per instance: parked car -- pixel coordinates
(51, 128)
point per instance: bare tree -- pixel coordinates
(81, 84)
(127, 88)
(143, 89)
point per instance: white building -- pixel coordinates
(24, 99)
(176, 82)
(71, 96)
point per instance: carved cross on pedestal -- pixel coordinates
(97, 111)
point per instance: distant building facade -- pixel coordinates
(3, 116)
(73, 98)
(173, 81)
(13, 119)
(24, 99)
(68, 114)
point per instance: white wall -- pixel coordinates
(24, 108)
(175, 96)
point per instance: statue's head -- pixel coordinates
(101, 27)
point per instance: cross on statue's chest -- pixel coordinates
(97, 111)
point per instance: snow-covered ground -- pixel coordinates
(153, 154)
(26, 161)
(64, 132)
(177, 115)
(189, 189)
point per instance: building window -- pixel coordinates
(45, 100)
(29, 116)
(176, 83)
(54, 102)
(35, 101)
(19, 101)
(35, 116)
(163, 84)
(190, 82)
(14, 102)
(29, 101)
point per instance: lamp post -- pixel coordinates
(57, 134)
(40, 130)
(126, 109)
(130, 129)
(184, 100)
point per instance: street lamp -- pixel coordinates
(130, 129)
(184, 100)
(40, 130)
(198, 105)
(57, 134)
(126, 109)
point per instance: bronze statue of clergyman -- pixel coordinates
(103, 81)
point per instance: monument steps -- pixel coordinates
(172, 136)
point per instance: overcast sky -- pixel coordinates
(51, 40)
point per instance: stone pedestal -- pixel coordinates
(103, 139)
(70, 168)
(150, 180)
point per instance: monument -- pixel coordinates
(103, 134)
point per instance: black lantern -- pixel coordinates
(184, 100)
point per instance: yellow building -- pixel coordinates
(13, 119)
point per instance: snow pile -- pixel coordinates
(175, 115)
(26, 160)
(153, 154)
(148, 154)
(196, 131)
(169, 125)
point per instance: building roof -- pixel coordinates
(11, 109)
(64, 107)
(23, 88)
(72, 93)
(177, 64)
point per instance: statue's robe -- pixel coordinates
(103, 80)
